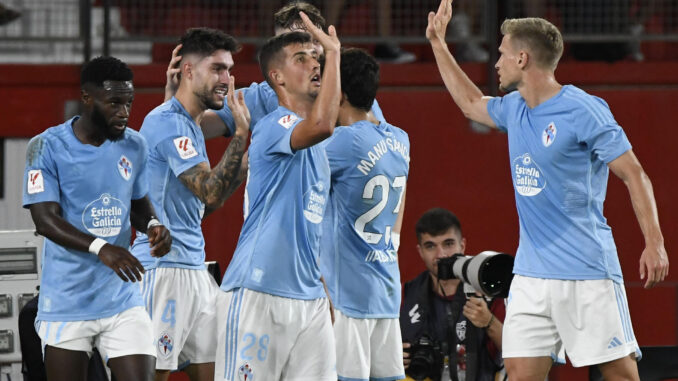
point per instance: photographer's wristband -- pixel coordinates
(96, 245)
(489, 323)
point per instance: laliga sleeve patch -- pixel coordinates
(36, 183)
(184, 146)
(288, 120)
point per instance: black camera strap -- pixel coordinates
(452, 315)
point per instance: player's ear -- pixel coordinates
(277, 77)
(86, 97)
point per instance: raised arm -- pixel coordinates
(50, 224)
(465, 93)
(319, 125)
(654, 263)
(214, 186)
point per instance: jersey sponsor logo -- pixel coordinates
(414, 314)
(36, 183)
(288, 120)
(529, 179)
(184, 146)
(461, 330)
(103, 217)
(245, 372)
(165, 345)
(314, 201)
(125, 167)
(549, 135)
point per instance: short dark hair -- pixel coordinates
(288, 16)
(205, 41)
(359, 77)
(273, 48)
(102, 69)
(437, 221)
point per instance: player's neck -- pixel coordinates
(349, 115)
(538, 87)
(86, 132)
(191, 103)
(301, 105)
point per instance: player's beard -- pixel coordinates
(100, 122)
(207, 98)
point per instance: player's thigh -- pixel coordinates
(592, 318)
(528, 368)
(127, 333)
(352, 347)
(256, 332)
(174, 304)
(529, 329)
(386, 346)
(201, 335)
(65, 364)
(625, 368)
(133, 367)
(313, 356)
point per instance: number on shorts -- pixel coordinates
(368, 193)
(250, 339)
(168, 314)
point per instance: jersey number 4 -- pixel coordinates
(382, 182)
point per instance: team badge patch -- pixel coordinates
(549, 135)
(461, 330)
(245, 372)
(184, 146)
(36, 183)
(165, 345)
(288, 120)
(125, 167)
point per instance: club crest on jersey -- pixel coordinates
(36, 184)
(549, 135)
(165, 344)
(184, 146)
(461, 330)
(245, 372)
(288, 120)
(125, 167)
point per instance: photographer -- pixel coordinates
(435, 314)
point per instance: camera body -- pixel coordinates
(426, 359)
(489, 272)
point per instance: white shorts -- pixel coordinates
(368, 349)
(181, 305)
(267, 337)
(587, 319)
(123, 334)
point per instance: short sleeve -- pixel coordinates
(179, 152)
(140, 188)
(497, 109)
(260, 99)
(376, 110)
(601, 133)
(41, 179)
(276, 139)
(338, 148)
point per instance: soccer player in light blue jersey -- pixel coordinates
(562, 144)
(275, 321)
(259, 97)
(178, 290)
(369, 163)
(85, 181)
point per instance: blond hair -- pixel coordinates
(541, 37)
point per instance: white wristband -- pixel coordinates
(153, 222)
(96, 246)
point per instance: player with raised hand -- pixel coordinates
(275, 315)
(566, 255)
(86, 185)
(178, 289)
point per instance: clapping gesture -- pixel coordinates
(438, 21)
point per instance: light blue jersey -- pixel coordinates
(369, 166)
(285, 202)
(175, 144)
(94, 187)
(261, 100)
(559, 153)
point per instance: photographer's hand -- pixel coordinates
(477, 311)
(406, 354)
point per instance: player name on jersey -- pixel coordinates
(379, 150)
